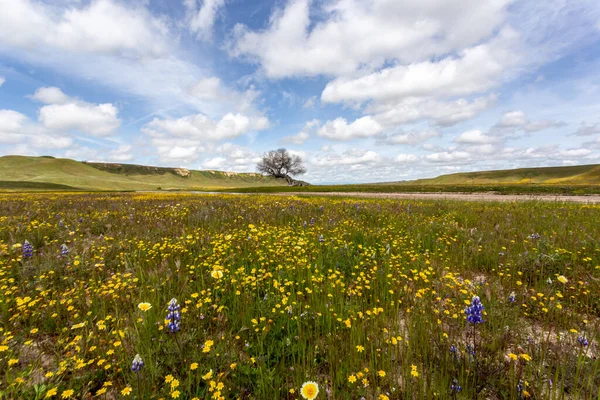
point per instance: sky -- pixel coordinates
(363, 91)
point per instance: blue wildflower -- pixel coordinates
(583, 341)
(512, 297)
(520, 388)
(474, 312)
(137, 363)
(455, 387)
(321, 238)
(27, 249)
(64, 250)
(173, 316)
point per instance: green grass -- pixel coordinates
(569, 175)
(437, 188)
(364, 297)
(57, 174)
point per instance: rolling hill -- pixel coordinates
(570, 175)
(49, 173)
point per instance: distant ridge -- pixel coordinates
(49, 173)
(568, 175)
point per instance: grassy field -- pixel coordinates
(48, 173)
(366, 298)
(413, 188)
(565, 175)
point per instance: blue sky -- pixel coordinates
(364, 91)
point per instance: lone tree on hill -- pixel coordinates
(281, 164)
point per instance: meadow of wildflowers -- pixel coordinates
(167, 296)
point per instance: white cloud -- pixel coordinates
(199, 126)
(442, 113)
(50, 95)
(97, 120)
(518, 119)
(405, 158)
(310, 103)
(575, 153)
(11, 122)
(215, 163)
(512, 119)
(2, 80)
(185, 138)
(346, 35)
(476, 137)
(303, 135)
(231, 157)
(339, 129)
(537, 126)
(354, 158)
(410, 138)
(101, 26)
(475, 70)
(18, 129)
(207, 89)
(63, 113)
(588, 129)
(121, 154)
(202, 20)
(448, 157)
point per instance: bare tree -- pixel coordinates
(281, 164)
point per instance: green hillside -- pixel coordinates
(570, 175)
(49, 173)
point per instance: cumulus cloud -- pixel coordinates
(518, 120)
(201, 20)
(101, 26)
(186, 137)
(18, 129)
(231, 157)
(340, 129)
(352, 33)
(448, 157)
(475, 70)
(513, 118)
(97, 120)
(50, 95)
(410, 138)
(303, 135)
(587, 129)
(476, 137)
(2, 80)
(64, 113)
(441, 113)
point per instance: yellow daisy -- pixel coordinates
(309, 390)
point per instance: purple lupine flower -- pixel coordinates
(512, 297)
(173, 316)
(455, 387)
(453, 349)
(520, 388)
(64, 250)
(27, 249)
(583, 341)
(137, 363)
(321, 239)
(474, 312)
